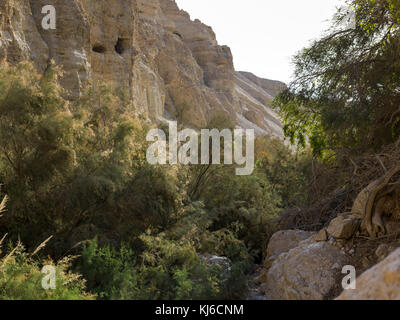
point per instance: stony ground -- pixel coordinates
(311, 269)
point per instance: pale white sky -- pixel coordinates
(264, 34)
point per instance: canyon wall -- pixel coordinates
(172, 66)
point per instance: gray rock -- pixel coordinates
(308, 272)
(322, 235)
(282, 242)
(223, 262)
(343, 227)
(381, 282)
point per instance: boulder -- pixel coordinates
(222, 262)
(343, 227)
(322, 235)
(381, 282)
(211, 259)
(311, 271)
(283, 241)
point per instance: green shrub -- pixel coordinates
(21, 279)
(109, 273)
(287, 172)
(164, 270)
(80, 170)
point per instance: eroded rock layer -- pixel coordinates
(170, 64)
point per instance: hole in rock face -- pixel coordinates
(99, 48)
(178, 34)
(121, 46)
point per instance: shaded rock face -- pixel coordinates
(169, 64)
(19, 38)
(381, 282)
(310, 271)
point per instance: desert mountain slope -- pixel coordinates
(170, 64)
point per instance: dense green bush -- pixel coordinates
(21, 276)
(109, 273)
(163, 270)
(78, 170)
(21, 279)
(288, 173)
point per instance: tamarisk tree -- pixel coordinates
(346, 87)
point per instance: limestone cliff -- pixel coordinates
(170, 64)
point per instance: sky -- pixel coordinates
(264, 34)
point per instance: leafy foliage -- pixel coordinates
(21, 279)
(288, 173)
(78, 170)
(164, 270)
(345, 92)
(21, 276)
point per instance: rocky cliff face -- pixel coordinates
(170, 64)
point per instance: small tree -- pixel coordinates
(345, 92)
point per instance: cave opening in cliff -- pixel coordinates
(99, 48)
(121, 46)
(178, 34)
